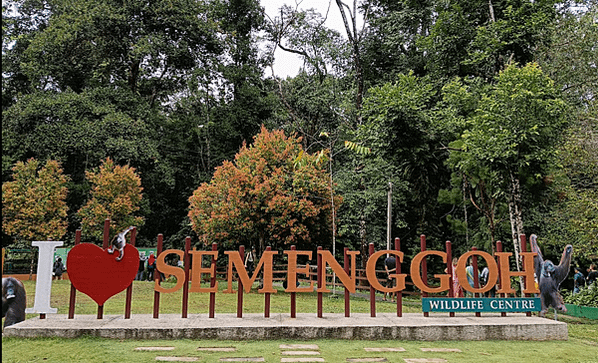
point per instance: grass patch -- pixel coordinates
(253, 302)
(582, 346)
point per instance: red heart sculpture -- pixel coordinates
(96, 273)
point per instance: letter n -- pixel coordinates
(348, 282)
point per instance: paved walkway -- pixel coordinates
(304, 327)
(292, 353)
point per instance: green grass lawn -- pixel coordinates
(582, 345)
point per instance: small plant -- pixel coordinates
(586, 297)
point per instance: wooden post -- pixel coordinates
(347, 294)
(293, 294)
(321, 281)
(129, 295)
(422, 243)
(266, 295)
(186, 262)
(73, 297)
(240, 286)
(372, 290)
(105, 245)
(212, 308)
(399, 295)
(158, 278)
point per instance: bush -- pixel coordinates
(586, 297)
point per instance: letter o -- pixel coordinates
(492, 271)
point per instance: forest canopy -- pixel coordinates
(476, 119)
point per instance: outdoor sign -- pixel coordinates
(101, 273)
(348, 280)
(485, 305)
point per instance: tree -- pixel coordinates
(303, 33)
(569, 59)
(397, 126)
(265, 198)
(515, 132)
(33, 204)
(115, 195)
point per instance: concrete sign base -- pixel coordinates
(306, 326)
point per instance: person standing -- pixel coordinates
(249, 258)
(141, 268)
(470, 280)
(151, 266)
(390, 265)
(456, 287)
(58, 268)
(592, 274)
(578, 281)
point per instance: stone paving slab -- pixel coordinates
(365, 360)
(299, 346)
(441, 350)
(217, 349)
(385, 326)
(301, 359)
(300, 352)
(177, 359)
(425, 360)
(154, 348)
(243, 359)
(399, 349)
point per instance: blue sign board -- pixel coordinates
(490, 305)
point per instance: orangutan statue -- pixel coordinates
(550, 277)
(14, 301)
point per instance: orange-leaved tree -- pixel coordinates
(115, 195)
(265, 198)
(34, 203)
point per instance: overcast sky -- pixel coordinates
(288, 64)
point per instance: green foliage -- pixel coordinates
(569, 56)
(362, 218)
(519, 121)
(115, 195)
(355, 147)
(587, 296)
(480, 37)
(398, 127)
(133, 44)
(33, 204)
(574, 215)
(264, 198)
(174, 88)
(78, 128)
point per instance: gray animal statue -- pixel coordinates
(14, 301)
(550, 277)
(120, 243)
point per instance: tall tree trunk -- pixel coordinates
(491, 10)
(516, 219)
(362, 233)
(353, 36)
(465, 209)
